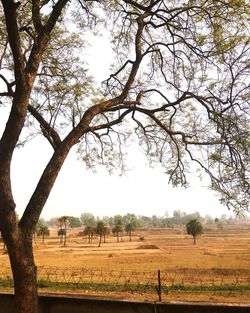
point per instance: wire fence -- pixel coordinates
(165, 281)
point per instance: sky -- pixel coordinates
(142, 190)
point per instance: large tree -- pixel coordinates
(180, 75)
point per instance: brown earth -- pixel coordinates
(172, 250)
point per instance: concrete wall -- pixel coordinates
(69, 304)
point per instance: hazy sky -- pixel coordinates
(142, 190)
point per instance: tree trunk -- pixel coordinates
(100, 240)
(130, 239)
(24, 274)
(194, 240)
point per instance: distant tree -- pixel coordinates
(130, 218)
(87, 219)
(61, 233)
(144, 220)
(155, 221)
(64, 221)
(43, 231)
(105, 231)
(41, 222)
(178, 217)
(131, 222)
(74, 222)
(89, 231)
(194, 228)
(129, 228)
(208, 219)
(106, 219)
(167, 222)
(100, 230)
(118, 226)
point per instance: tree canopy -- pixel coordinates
(194, 228)
(178, 82)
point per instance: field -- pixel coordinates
(219, 258)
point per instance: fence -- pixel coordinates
(182, 280)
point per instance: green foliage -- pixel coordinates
(88, 219)
(194, 228)
(61, 232)
(74, 222)
(100, 227)
(43, 231)
(179, 59)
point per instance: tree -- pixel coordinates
(131, 222)
(117, 226)
(63, 231)
(194, 228)
(43, 231)
(129, 228)
(89, 231)
(180, 73)
(74, 222)
(89, 221)
(100, 230)
(106, 231)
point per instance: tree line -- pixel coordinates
(118, 224)
(178, 217)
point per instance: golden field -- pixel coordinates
(228, 249)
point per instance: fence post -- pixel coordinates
(158, 288)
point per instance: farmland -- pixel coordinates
(221, 254)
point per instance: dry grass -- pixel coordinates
(171, 249)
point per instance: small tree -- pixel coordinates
(117, 229)
(194, 228)
(89, 231)
(105, 232)
(129, 228)
(116, 223)
(89, 221)
(61, 233)
(100, 230)
(43, 231)
(63, 222)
